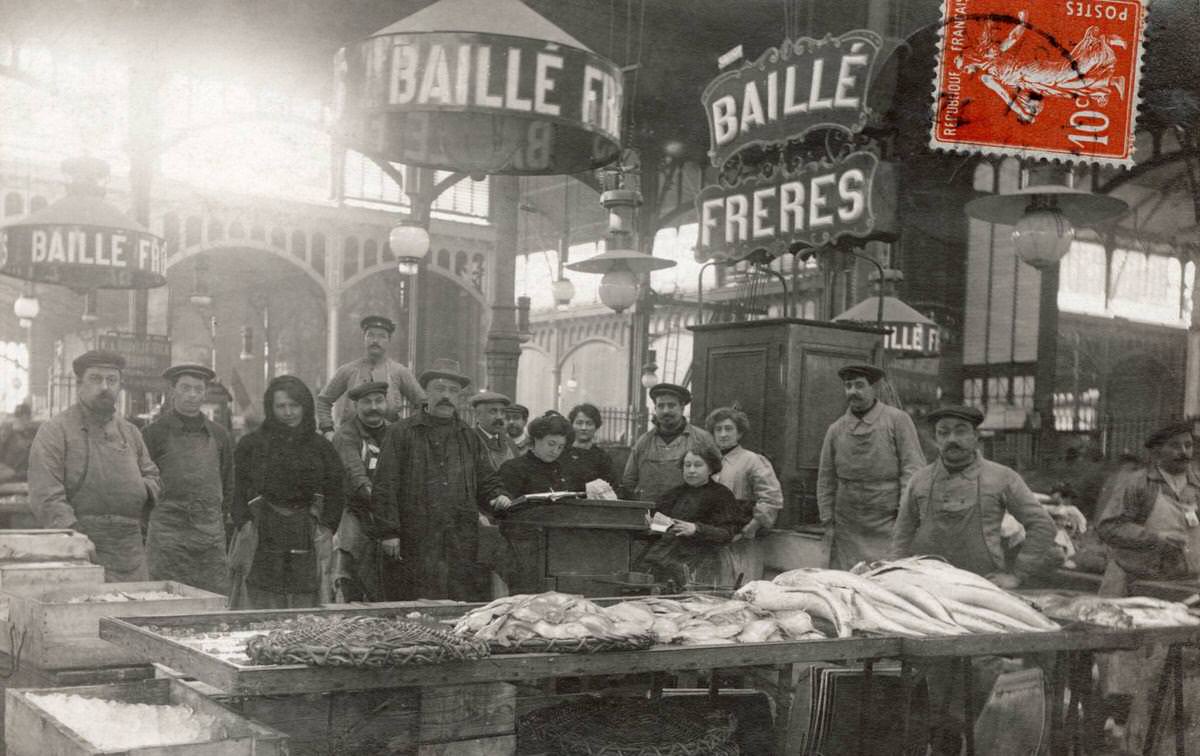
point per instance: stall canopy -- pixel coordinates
(481, 88)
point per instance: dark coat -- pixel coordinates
(439, 539)
(527, 474)
(582, 466)
(718, 518)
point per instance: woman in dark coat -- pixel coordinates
(705, 518)
(288, 480)
(584, 461)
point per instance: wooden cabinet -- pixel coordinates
(783, 373)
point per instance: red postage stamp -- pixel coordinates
(1055, 79)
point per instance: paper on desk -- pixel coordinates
(660, 523)
(600, 489)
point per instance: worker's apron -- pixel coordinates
(864, 516)
(952, 527)
(111, 480)
(186, 539)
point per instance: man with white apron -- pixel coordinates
(186, 538)
(90, 470)
(952, 509)
(654, 465)
(1150, 524)
(868, 456)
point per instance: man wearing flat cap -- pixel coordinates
(374, 366)
(491, 423)
(89, 470)
(655, 461)
(359, 442)
(867, 457)
(186, 539)
(516, 416)
(434, 481)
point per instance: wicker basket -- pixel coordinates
(634, 727)
(589, 645)
(362, 642)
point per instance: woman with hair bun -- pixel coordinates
(584, 461)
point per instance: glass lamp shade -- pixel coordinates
(26, 307)
(564, 292)
(618, 289)
(409, 240)
(1042, 236)
(650, 376)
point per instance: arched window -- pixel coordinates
(318, 254)
(257, 232)
(191, 231)
(443, 259)
(461, 267)
(237, 230)
(370, 254)
(477, 271)
(216, 231)
(349, 258)
(299, 244)
(171, 232)
(14, 204)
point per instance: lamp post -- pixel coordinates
(409, 241)
(1044, 215)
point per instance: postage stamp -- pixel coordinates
(1054, 79)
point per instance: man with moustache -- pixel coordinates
(491, 423)
(515, 418)
(186, 538)
(374, 366)
(867, 457)
(434, 481)
(359, 442)
(655, 461)
(90, 470)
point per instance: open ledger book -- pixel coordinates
(548, 497)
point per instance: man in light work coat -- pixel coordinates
(375, 366)
(356, 568)
(653, 467)
(186, 539)
(868, 456)
(90, 470)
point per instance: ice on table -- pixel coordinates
(116, 725)
(113, 597)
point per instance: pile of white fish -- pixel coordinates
(512, 620)
(703, 620)
(120, 726)
(916, 597)
(1119, 613)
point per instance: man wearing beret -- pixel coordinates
(435, 480)
(654, 465)
(90, 470)
(359, 443)
(375, 366)
(867, 457)
(186, 539)
(491, 423)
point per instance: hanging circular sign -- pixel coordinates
(83, 256)
(478, 103)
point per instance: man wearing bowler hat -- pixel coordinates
(374, 366)
(654, 464)
(491, 423)
(90, 470)
(435, 480)
(186, 538)
(868, 456)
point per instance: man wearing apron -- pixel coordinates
(186, 539)
(952, 508)
(868, 456)
(654, 465)
(1149, 522)
(90, 470)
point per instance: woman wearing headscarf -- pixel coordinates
(288, 481)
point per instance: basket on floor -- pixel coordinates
(588, 645)
(362, 642)
(636, 727)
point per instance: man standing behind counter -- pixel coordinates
(654, 466)
(867, 457)
(375, 366)
(90, 470)
(952, 508)
(186, 538)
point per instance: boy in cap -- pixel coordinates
(186, 538)
(867, 457)
(90, 470)
(373, 366)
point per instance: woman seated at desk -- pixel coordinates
(536, 471)
(705, 518)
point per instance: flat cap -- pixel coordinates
(517, 409)
(960, 412)
(489, 397)
(378, 321)
(684, 396)
(870, 372)
(203, 372)
(366, 389)
(97, 358)
(1167, 432)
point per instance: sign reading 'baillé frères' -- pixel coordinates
(802, 86)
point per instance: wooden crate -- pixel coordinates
(44, 546)
(38, 577)
(55, 634)
(32, 731)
